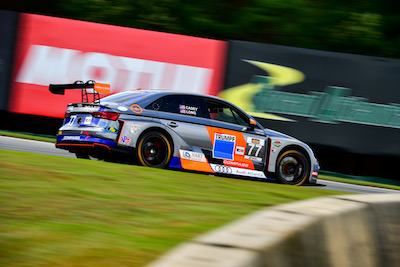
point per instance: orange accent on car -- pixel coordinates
(136, 108)
(102, 88)
(196, 166)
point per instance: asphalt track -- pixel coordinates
(46, 148)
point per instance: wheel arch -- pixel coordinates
(295, 147)
(300, 149)
(157, 129)
(137, 152)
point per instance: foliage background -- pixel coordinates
(359, 27)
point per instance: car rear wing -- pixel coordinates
(98, 88)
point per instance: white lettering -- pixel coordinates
(71, 138)
(44, 65)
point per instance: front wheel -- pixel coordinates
(292, 168)
(154, 150)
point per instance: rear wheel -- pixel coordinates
(154, 150)
(292, 168)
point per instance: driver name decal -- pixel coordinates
(188, 110)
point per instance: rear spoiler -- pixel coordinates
(103, 88)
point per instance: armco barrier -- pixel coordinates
(350, 230)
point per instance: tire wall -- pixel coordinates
(351, 230)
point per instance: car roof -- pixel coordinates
(157, 93)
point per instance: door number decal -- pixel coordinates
(255, 149)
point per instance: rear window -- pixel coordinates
(122, 98)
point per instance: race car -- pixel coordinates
(169, 129)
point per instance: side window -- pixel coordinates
(222, 112)
(179, 104)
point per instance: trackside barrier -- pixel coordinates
(349, 230)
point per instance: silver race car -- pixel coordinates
(165, 129)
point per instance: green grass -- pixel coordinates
(332, 177)
(31, 136)
(75, 212)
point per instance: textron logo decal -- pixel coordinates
(262, 97)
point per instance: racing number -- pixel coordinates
(71, 121)
(255, 149)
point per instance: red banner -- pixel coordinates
(55, 50)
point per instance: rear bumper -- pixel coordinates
(80, 143)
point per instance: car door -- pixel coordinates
(235, 142)
(186, 116)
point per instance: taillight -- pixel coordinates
(106, 115)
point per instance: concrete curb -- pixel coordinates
(349, 230)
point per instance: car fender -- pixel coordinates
(133, 129)
(277, 145)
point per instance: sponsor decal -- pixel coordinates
(236, 164)
(134, 128)
(112, 129)
(71, 138)
(250, 173)
(136, 108)
(125, 139)
(84, 109)
(102, 88)
(253, 158)
(240, 150)
(221, 169)
(191, 155)
(314, 173)
(237, 171)
(188, 110)
(225, 137)
(87, 120)
(277, 143)
(122, 108)
(224, 145)
(251, 140)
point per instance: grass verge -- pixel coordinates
(30, 136)
(75, 212)
(357, 182)
(383, 183)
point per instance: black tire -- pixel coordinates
(154, 150)
(292, 167)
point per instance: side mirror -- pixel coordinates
(252, 124)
